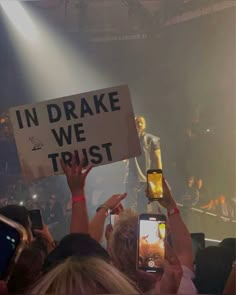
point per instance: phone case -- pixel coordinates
(23, 241)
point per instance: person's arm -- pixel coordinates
(79, 216)
(208, 205)
(230, 286)
(157, 157)
(180, 236)
(96, 226)
(156, 148)
(46, 235)
(173, 272)
(171, 278)
(76, 177)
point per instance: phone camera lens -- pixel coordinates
(151, 263)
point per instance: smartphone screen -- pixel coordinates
(36, 219)
(9, 241)
(113, 219)
(151, 250)
(154, 184)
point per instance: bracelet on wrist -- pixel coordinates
(78, 199)
(108, 210)
(173, 211)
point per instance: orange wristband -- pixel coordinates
(78, 199)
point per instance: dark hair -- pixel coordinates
(26, 271)
(230, 244)
(213, 266)
(41, 244)
(79, 245)
(16, 213)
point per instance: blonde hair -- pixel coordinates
(84, 276)
(123, 243)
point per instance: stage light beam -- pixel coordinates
(20, 19)
(62, 69)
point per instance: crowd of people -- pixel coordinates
(78, 264)
(196, 195)
(96, 256)
(204, 185)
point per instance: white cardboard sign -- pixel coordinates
(97, 125)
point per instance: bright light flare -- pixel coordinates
(212, 240)
(20, 19)
(34, 197)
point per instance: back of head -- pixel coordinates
(16, 213)
(230, 244)
(213, 266)
(26, 271)
(84, 276)
(123, 250)
(80, 245)
(123, 242)
(43, 245)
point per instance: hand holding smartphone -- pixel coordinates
(151, 237)
(114, 215)
(154, 184)
(36, 219)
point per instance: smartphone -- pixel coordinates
(36, 219)
(13, 238)
(113, 219)
(198, 242)
(151, 237)
(114, 215)
(154, 184)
